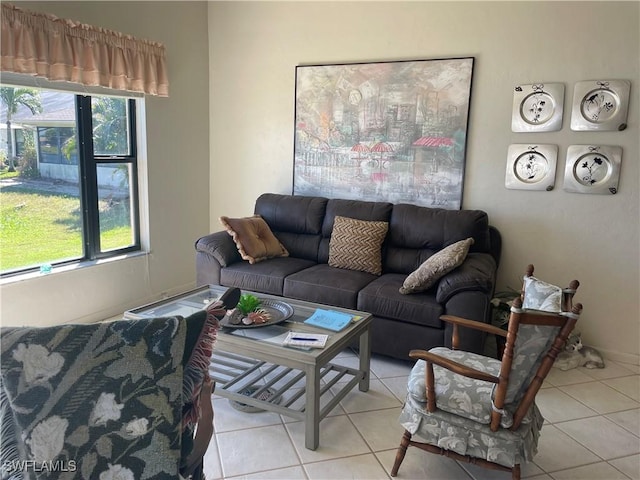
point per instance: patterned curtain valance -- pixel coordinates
(63, 50)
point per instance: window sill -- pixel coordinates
(22, 277)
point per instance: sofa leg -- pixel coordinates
(402, 450)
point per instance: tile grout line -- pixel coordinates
(597, 459)
(591, 408)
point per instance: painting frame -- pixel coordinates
(383, 131)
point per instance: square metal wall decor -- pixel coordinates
(392, 131)
(592, 169)
(600, 105)
(531, 167)
(537, 107)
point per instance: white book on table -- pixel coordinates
(304, 339)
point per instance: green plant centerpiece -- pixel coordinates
(248, 303)
(248, 311)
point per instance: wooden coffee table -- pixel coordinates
(251, 366)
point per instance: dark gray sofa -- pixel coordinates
(401, 322)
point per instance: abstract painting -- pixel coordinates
(393, 131)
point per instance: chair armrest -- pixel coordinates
(477, 272)
(204, 430)
(453, 366)
(220, 246)
(464, 322)
(472, 324)
(431, 358)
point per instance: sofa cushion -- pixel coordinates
(357, 244)
(296, 221)
(292, 213)
(382, 298)
(358, 209)
(300, 245)
(328, 285)
(266, 277)
(436, 267)
(254, 238)
(416, 233)
(107, 396)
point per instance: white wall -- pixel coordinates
(178, 171)
(255, 46)
(247, 106)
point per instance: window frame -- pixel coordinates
(88, 163)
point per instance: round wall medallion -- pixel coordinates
(592, 169)
(537, 108)
(531, 167)
(599, 106)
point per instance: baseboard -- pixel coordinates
(629, 358)
(620, 357)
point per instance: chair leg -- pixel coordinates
(515, 472)
(402, 450)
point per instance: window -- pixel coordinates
(68, 178)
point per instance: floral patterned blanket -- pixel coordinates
(100, 401)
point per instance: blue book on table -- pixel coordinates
(329, 319)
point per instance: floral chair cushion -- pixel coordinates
(468, 437)
(531, 346)
(471, 398)
(541, 295)
(462, 420)
(97, 401)
(457, 394)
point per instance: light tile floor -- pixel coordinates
(592, 432)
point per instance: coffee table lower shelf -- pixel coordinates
(287, 388)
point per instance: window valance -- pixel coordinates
(46, 46)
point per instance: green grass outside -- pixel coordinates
(43, 227)
(6, 174)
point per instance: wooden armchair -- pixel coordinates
(481, 410)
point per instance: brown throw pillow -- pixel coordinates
(436, 267)
(357, 244)
(254, 238)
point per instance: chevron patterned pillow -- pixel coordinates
(357, 244)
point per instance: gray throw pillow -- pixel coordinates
(436, 267)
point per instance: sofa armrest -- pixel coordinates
(220, 245)
(477, 273)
